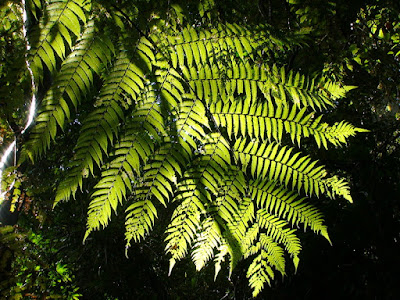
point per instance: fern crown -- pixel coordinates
(192, 119)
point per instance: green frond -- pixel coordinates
(278, 164)
(338, 132)
(249, 243)
(230, 196)
(279, 231)
(160, 174)
(164, 168)
(101, 125)
(117, 176)
(207, 239)
(190, 124)
(275, 252)
(194, 192)
(61, 25)
(72, 84)
(157, 182)
(236, 214)
(184, 224)
(131, 153)
(338, 186)
(268, 121)
(270, 254)
(247, 79)
(259, 273)
(139, 220)
(196, 46)
(245, 213)
(232, 212)
(222, 251)
(286, 204)
(334, 90)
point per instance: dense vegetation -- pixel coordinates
(194, 128)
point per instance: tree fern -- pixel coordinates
(190, 117)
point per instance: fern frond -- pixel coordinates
(71, 85)
(338, 186)
(231, 213)
(184, 224)
(139, 220)
(286, 204)
(275, 252)
(190, 124)
(223, 250)
(278, 164)
(279, 231)
(237, 212)
(194, 191)
(116, 178)
(270, 254)
(211, 83)
(259, 272)
(207, 239)
(52, 40)
(100, 126)
(161, 172)
(268, 121)
(194, 46)
(239, 224)
(249, 243)
(232, 190)
(157, 182)
(130, 154)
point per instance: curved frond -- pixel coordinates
(59, 28)
(72, 84)
(249, 80)
(286, 204)
(157, 182)
(259, 273)
(275, 253)
(139, 219)
(116, 178)
(207, 239)
(279, 231)
(270, 254)
(279, 164)
(101, 125)
(195, 191)
(268, 121)
(131, 152)
(184, 224)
